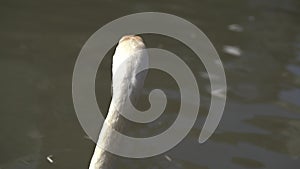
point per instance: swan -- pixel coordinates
(128, 60)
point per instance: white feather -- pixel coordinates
(128, 60)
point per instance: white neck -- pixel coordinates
(128, 60)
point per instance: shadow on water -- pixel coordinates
(258, 42)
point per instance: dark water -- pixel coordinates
(260, 128)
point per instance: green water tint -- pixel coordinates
(260, 128)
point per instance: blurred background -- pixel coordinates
(258, 42)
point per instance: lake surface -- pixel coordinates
(258, 42)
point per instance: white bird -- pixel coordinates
(128, 60)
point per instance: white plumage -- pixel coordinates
(128, 60)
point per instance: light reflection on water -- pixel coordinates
(261, 124)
